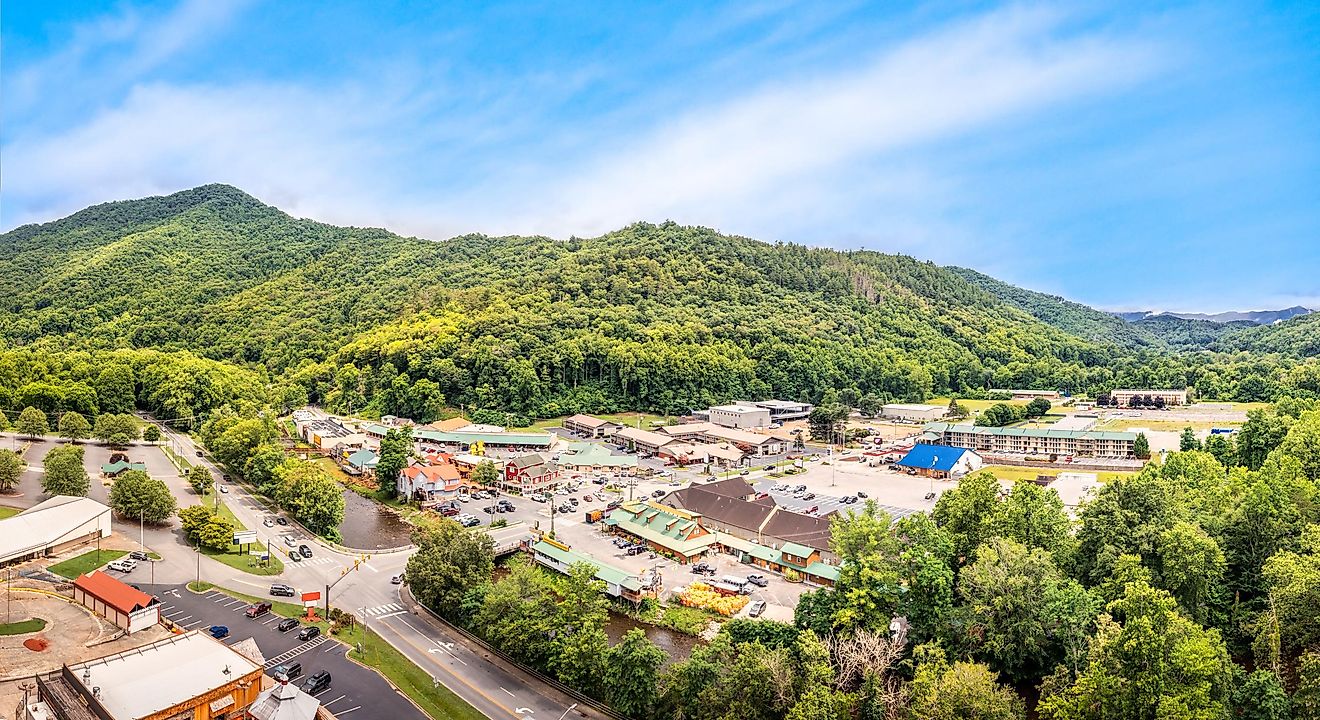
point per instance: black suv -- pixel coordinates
(304, 551)
(281, 590)
(289, 670)
(309, 632)
(316, 682)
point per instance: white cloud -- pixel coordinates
(794, 153)
(808, 136)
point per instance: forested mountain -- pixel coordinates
(1298, 337)
(1178, 333)
(1255, 317)
(1073, 318)
(661, 317)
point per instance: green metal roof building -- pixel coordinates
(1033, 441)
(674, 532)
(618, 582)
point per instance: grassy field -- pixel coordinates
(628, 419)
(85, 563)
(8, 512)
(370, 650)
(1122, 424)
(22, 627)
(975, 405)
(1014, 473)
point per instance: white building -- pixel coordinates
(781, 410)
(913, 412)
(740, 416)
(52, 526)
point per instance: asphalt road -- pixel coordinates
(354, 690)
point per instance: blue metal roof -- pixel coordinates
(932, 457)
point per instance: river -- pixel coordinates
(370, 526)
(677, 646)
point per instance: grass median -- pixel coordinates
(22, 627)
(8, 512)
(247, 563)
(371, 650)
(85, 563)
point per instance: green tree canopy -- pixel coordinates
(136, 494)
(12, 467)
(31, 422)
(65, 474)
(74, 426)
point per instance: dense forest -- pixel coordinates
(658, 317)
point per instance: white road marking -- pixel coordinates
(345, 712)
(507, 692)
(332, 702)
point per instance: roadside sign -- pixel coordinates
(244, 537)
(311, 597)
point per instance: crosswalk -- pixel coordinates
(382, 611)
(295, 652)
(315, 561)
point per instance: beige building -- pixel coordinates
(750, 443)
(52, 526)
(592, 427)
(1123, 398)
(1032, 441)
(740, 416)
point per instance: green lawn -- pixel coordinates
(85, 563)
(8, 512)
(178, 460)
(628, 419)
(1013, 473)
(233, 558)
(437, 702)
(1125, 424)
(22, 627)
(975, 405)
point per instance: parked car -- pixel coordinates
(281, 521)
(289, 670)
(621, 543)
(862, 494)
(612, 505)
(397, 579)
(218, 631)
(703, 568)
(658, 493)
(309, 632)
(758, 580)
(282, 590)
(317, 682)
(809, 496)
(257, 610)
(123, 565)
(287, 624)
(450, 511)
(504, 506)
(490, 509)
(304, 551)
(756, 608)
(564, 508)
(744, 472)
(139, 555)
(635, 550)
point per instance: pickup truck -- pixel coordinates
(257, 610)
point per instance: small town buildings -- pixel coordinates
(327, 433)
(1123, 398)
(450, 425)
(594, 457)
(361, 462)
(644, 442)
(422, 482)
(1032, 441)
(911, 412)
(119, 467)
(676, 533)
(940, 461)
(739, 416)
(750, 443)
(182, 676)
(468, 438)
(127, 607)
(734, 507)
(781, 410)
(529, 473)
(466, 463)
(52, 526)
(592, 427)
(619, 583)
(722, 455)
(795, 557)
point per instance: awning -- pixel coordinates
(220, 704)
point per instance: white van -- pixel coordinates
(735, 581)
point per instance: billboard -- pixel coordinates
(243, 537)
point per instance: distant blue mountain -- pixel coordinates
(1260, 317)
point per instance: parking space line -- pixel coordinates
(345, 712)
(271, 620)
(332, 702)
(186, 617)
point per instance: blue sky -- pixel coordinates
(1127, 155)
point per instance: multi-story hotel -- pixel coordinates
(1032, 441)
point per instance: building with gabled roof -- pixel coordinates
(590, 426)
(643, 441)
(940, 461)
(284, 701)
(619, 583)
(52, 526)
(124, 605)
(670, 531)
(734, 507)
(529, 473)
(594, 457)
(425, 482)
(119, 467)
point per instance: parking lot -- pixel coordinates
(353, 688)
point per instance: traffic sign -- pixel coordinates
(243, 537)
